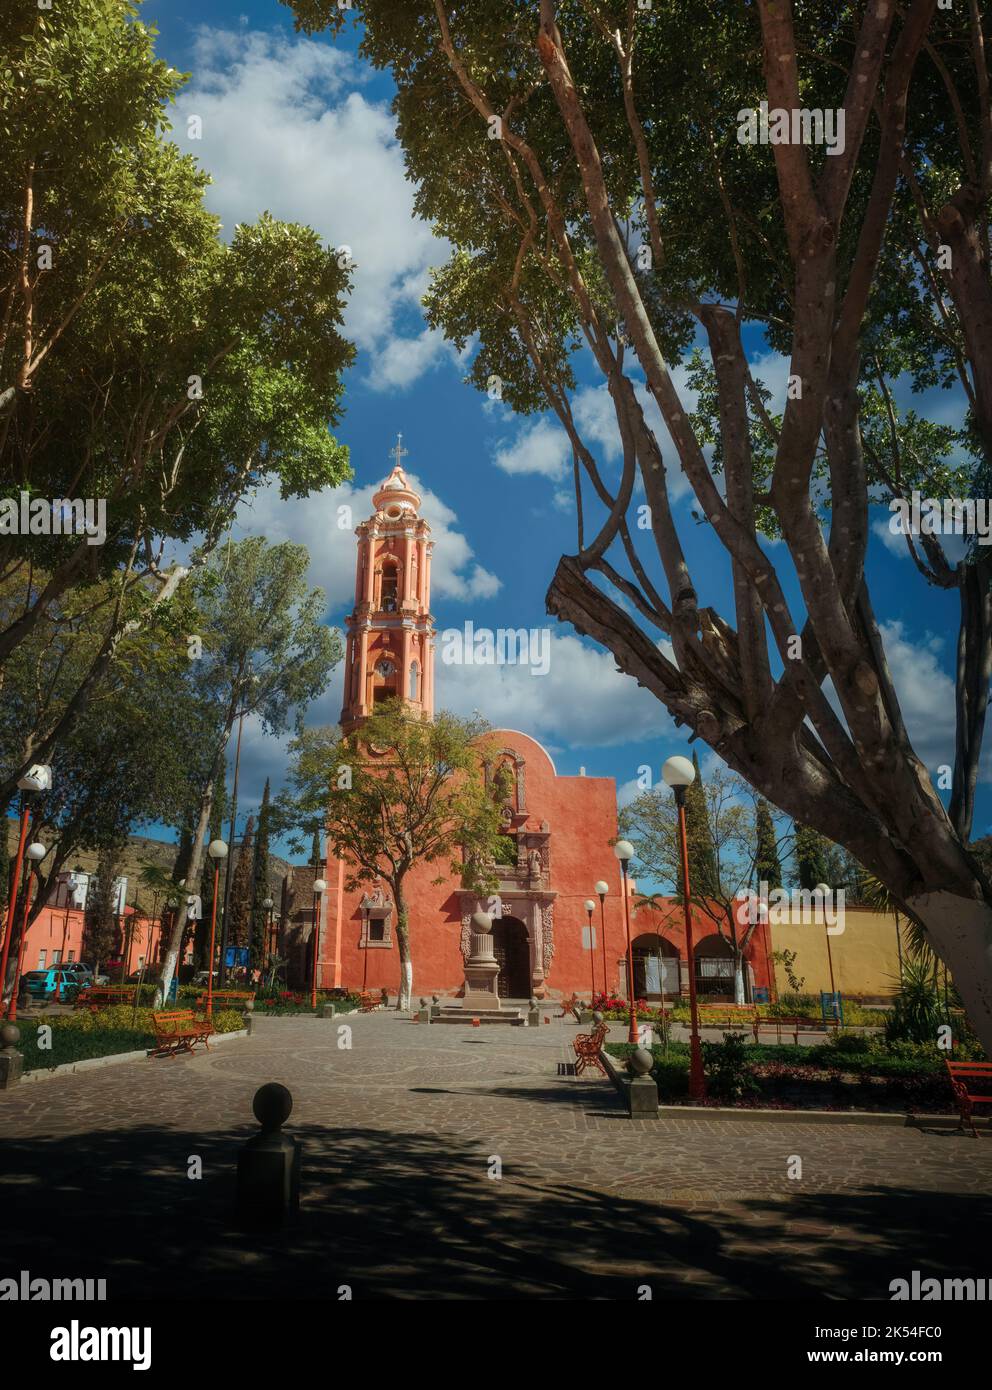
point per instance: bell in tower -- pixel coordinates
(390, 632)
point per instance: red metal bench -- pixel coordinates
(967, 1078)
(179, 1032)
(571, 1005)
(95, 997)
(588, 1047)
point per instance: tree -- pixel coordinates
(767, 865)
(607, 209)
(215, 831)
(721, 837)
(145, 364)
(101, 925)
(266, 652)
(240, 905)
(394, 794)
(703, 875)
(260, 887)
(812, 858)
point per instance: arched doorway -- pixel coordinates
(656, 967)
(714, 967)
(512, 950)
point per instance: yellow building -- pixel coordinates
(863, 948)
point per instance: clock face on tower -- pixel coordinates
(385, 668)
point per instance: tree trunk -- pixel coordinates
(404, 1001)
(193, 874)
(960, 930)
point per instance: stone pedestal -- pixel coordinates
(481, 968)
(269, 1164)
(423, 1013)
(11, 1061)
(643, 1090)
(534, 1014)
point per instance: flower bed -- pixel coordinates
(878, 1076)
(52, 1041)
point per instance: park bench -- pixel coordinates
(588, 1047)
(967, 1080)
(571, 1005)
(795, 1026)
(227, 998)
(96, 997)
(727, 1015)
(369, 1000)
(178, 1032)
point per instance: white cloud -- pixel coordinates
(582, 702)
(925, 691)
(287, 129)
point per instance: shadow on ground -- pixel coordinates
(414, 1216)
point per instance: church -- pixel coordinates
(547, 943)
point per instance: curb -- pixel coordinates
(112, 1060)
(892, 1118)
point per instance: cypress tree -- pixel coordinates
(260, 886)
(241, 890)
(703, 879)
(812, 856)
(767, 865)
(101, 939)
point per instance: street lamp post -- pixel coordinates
(319, 885)
(624, 851)
(823, 892)
(679, 773)
(35, 854)
(37, 779)
(602, 888)
(590, 909)
(217, 851)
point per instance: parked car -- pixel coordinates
(200, 978)
(76, 970)
(42, 984)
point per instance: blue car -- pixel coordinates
(42, 984)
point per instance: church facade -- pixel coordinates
(560, 828)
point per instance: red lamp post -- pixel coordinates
(590, 909)
(11, 908)
(217, 850)
(319, 885)
(624, 851)
(679, 773)
(35, 854)
(602, 888)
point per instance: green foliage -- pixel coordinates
(918, 1009)
(260, 885)
(787, 959)
(728, 1070)
(767, 866)
(101, 931)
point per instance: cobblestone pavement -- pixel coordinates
(403, 1134)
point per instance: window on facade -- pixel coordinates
(72, 955)
(56, 957)
(42, 959)
(377, 929)
(414, 671)
(388, 593)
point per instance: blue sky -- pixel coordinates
(302, 128)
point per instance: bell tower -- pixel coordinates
(390, 646)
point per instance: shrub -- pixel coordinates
(917, 1006)
(728, 1068)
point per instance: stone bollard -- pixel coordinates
(11, 1061)
(534, 1014)
(269, 1164)
(423, 1013)
(643, 1102)
(435, 1006)
(249, 1017)
(326, 1010)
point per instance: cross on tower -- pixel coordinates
(398, 452)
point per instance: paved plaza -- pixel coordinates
(402, 1135)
